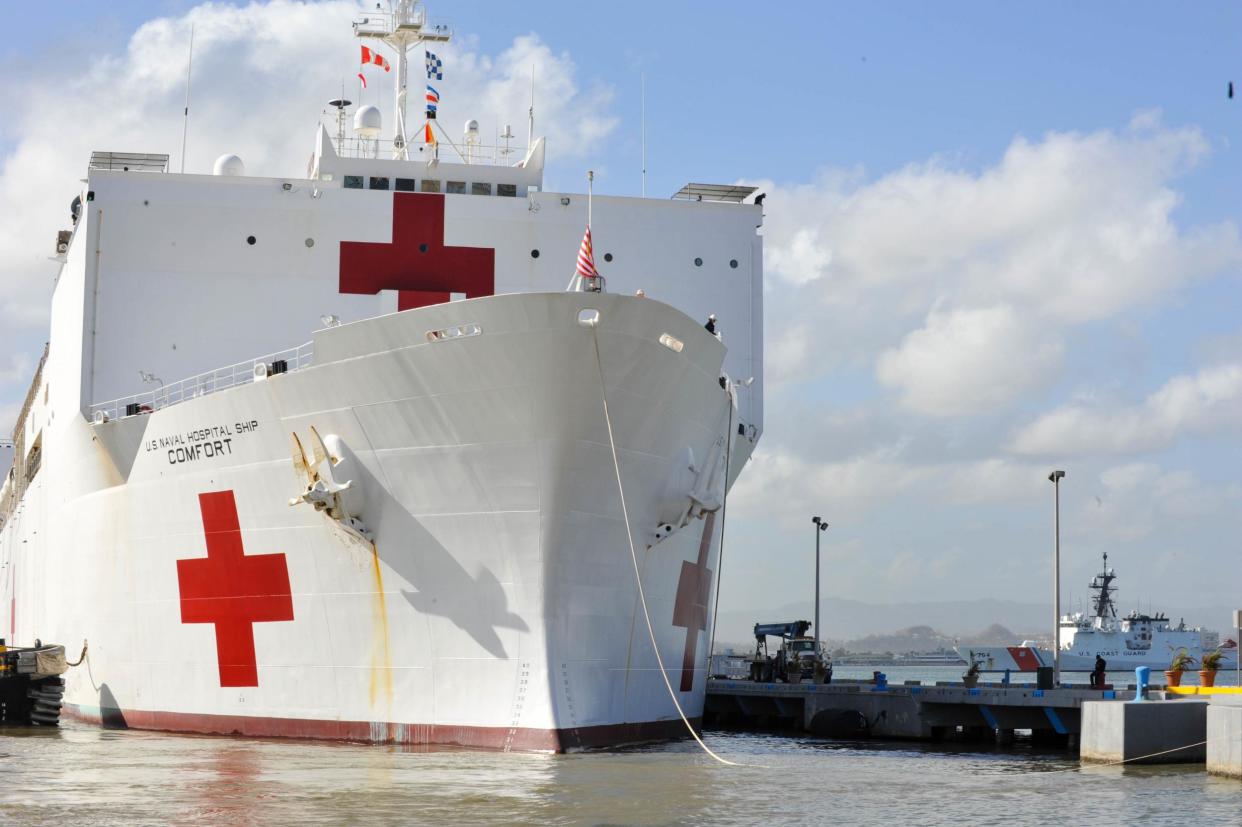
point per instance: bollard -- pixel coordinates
(1142, 677)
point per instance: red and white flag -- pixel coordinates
(369, 56)
(586, 257)
(363, 78)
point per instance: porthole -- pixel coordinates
(698, 262)
(251, 240)
(422, 248)
(607, 256)
(534, 254)
(733, 263)
(310, 242)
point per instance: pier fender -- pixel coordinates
(839, 723)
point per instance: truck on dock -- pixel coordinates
(799, 657)
(31, 687)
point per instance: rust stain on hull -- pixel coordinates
(381, 658)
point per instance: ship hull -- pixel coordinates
(1029, 658)
(485, 594)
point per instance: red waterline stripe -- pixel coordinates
(518, 739)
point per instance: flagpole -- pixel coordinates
(185, 124)
(590, 188)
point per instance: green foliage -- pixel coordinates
(1181, 660)
(1210, 661)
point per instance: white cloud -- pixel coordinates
(782, 484)
(1208, 399)
(970, 361)
(1076, 225)
(17, 369)
(1138, 499)
(1066, 230)
(262, 73)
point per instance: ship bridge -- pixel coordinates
(467, 169)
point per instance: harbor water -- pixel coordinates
(80, 774)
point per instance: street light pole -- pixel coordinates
(820, 527)
(1055, 478)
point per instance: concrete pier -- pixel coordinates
(1146, 732)
(1224, 736)
(850, 709)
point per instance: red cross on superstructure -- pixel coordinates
(417, 264)
(233, 590)
(694, 590)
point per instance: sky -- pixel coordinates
(1000, 239)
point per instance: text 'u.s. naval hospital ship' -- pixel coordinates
(406, 521)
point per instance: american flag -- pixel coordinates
(586, 257)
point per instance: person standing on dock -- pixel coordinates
(1097, 675)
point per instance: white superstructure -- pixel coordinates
(1137, 639)
(327, 456)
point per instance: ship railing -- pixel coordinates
(229, 376)
(462, 153)
(381, 24)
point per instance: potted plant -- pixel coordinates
(971, 678)
(1208, 664)
(1180, 663)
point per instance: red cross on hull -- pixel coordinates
(233, 590)
(417, 264)
(694, 590)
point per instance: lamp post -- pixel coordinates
(1055, 478)
(820, 527)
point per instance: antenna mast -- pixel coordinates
(405, 26)
(530, 123)
(644, 142)
(185, 124)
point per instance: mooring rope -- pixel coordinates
(81, 657)
(642, 597)
(1103, 764)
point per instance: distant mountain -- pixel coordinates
(851, 620)
(925, 639)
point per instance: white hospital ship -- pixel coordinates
(1136, 639)
(340, 456)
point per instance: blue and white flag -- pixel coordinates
(435, 67)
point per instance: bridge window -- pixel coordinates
(430, 186)
(456, 188)
(478, 188)
(405, 185)
(353, 182)
(507, 190)
(379, 183)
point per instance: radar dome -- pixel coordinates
(472, 127)
(228, 165)
(367, 121)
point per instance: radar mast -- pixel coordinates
(402, 27)
(1102, 585)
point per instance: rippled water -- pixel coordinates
(84, 775)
